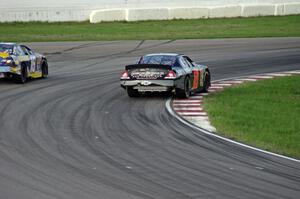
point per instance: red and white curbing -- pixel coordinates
(192, 109)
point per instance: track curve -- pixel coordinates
(78, 135)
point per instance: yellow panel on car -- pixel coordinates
(14, 70)
(36, 74)
(4, 55)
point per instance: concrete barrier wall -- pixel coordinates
(134, 10)
(258, 10)
(228, 11)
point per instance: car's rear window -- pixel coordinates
(158, 59)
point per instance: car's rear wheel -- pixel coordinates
(186, 92)
(206, 82)
(22, 78)
(44, 70)
(132, 92)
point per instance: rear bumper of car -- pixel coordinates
(9, 70)
(149, 85)
(4, 69)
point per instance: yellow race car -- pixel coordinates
(20, 63)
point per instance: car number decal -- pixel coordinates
(196, 79)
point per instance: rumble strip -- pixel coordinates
(192, 109)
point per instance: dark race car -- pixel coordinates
(20, 63)
(165, 73)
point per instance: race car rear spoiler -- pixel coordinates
(135, 66)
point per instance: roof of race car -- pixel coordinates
(7, 43)
(163, 54)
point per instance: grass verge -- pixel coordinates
(265, 114)
(283, 26)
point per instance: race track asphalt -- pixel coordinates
(77, 135)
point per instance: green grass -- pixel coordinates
(265, 114)
(284, 26)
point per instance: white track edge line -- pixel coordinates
(170, 110)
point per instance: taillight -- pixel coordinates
(125, 75)
(8, 62)
(171, 75)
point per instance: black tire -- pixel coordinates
(21, 79)
(44, 70)
(132, 92)
(186, 92)
(206, 82)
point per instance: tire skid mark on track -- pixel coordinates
(107, 58)
(195, 114)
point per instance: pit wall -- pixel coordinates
(136, 10)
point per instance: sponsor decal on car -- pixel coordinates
(196, 79)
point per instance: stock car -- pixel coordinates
(165, 72)
(20, 63)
